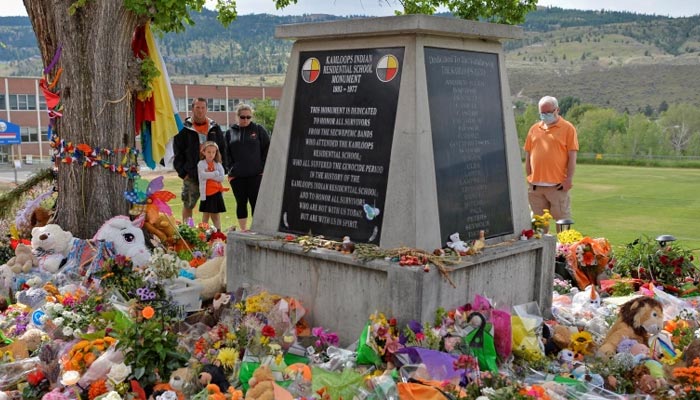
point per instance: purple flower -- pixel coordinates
(415, 326)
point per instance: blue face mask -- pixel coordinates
(548, 118)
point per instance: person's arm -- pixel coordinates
(570, 169)
(202, 174)
(220, 175)
(179, 149)
(528, 166)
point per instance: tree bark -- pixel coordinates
(97, 102)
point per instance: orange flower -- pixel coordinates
(148, 312)
(97, 388)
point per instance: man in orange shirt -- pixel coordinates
(550, 161)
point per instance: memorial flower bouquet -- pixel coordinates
(588, 258)
(669, 266)
(72, 313)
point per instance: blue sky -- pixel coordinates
(673, 8)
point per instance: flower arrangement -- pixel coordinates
(81, 356)
(73, 312)
(425, 335)
(540, 223)
(688, 379)
(164, 264)
(324, 339)
(669, 265)
(119, 273)
(564, 241)
(588, 257)
(384, 334)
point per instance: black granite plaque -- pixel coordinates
(466, 117)
(340, 145)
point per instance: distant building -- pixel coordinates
(22, 103)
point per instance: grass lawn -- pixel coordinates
(621, 203)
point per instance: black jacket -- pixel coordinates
(186, 148)
(246, 150)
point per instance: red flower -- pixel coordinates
(381, 331)
(268, 331)
(35, 377)
(420, 336)
(289, 238)
(588, 258)
(528, 233)
(663, 260)
(392, 322)
(677, 271)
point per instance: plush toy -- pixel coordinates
(638, 319)
(32, 338)
(261, 385)
(51, 245)
(162, 227)
(23, 261)
(40, 217)
(457, 244)
(212, 276)
(127, 237)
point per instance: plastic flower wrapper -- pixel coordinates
(338, 359)
(103, 366)
(527, 326)
(281, 320)
(17, 371)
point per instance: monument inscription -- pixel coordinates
(466, 118)
(340, 143)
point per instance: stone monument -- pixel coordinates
(396, 131)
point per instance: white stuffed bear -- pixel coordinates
(457, 244)
(127, 237)
(50, 245)
(212, 276)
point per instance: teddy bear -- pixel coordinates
(51, 244)
(261, 385)
(638, 319)
(23, 261)
(212, 277)
(161, 226)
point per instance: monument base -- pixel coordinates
(341, 292)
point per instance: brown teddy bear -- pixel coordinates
(162, 226)
(638, 319)
(262, 385)
(23, 261)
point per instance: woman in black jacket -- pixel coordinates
(247, 145)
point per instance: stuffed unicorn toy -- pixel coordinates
(127, 237)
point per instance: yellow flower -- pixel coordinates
(580, 342)
(264, 340)
(569, 236)
(228, 357)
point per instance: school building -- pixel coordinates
(22, 103)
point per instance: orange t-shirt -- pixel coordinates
(549, 150)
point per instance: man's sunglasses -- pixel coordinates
(245, 117)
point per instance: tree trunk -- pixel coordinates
(97, 102)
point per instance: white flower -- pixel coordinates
(70, 378)
(58, 321)
(697, 334)
(111, 396)
(67, 331)
(119, 372)
(168, 395)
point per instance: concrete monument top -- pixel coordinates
(414, 24)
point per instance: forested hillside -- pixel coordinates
(627, 61)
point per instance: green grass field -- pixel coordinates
(617, 202)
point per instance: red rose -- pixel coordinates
(35, 377)
(663, 260)
(268, 331)
(392, 322)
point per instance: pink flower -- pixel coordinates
(420, 336)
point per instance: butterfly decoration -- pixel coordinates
(370, 212)
(149, 197)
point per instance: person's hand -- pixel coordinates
(567, 185)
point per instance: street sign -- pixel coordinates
(9, 133)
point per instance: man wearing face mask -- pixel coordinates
(550, 161)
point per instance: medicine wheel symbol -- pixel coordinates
(387, 68)
(311, 70)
